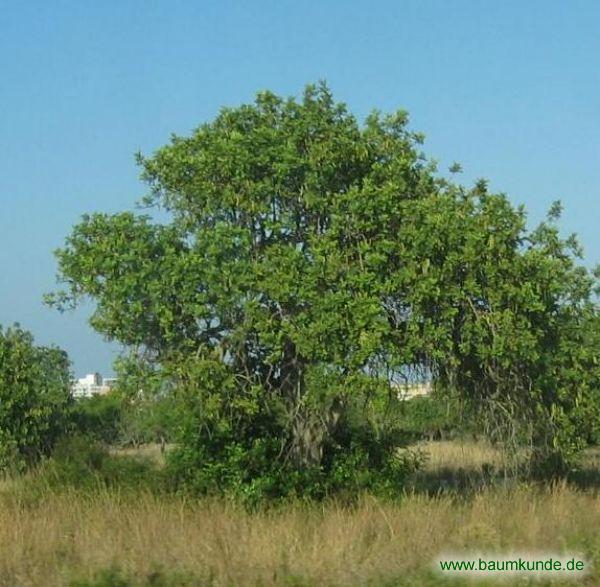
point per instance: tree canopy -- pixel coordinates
(309, 264)
(35, 386)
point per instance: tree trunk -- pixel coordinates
(310, 429)
(306, 449)
(310, 432)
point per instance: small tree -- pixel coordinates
(34, 398)
(308, 264)
(99, 417)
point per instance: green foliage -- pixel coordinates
(240, 454)
(150, 420)
(99, 417)
(75, 463)
(132, 414)
(150, 412)
(307, 261)
(34, 398)
(434, 417)
(79, 463)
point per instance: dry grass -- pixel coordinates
(152, 452)
(460, 466)
(462, 455)
(49, 541)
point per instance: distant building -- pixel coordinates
(92, 384)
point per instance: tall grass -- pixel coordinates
(75, 538)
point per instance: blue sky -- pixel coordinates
(511, 90)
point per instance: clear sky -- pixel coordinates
(509, 89)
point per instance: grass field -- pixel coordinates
(105, 539)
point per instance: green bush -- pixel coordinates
(99, 417)
(34, 398)
(81, 463)
(117, 419)
(147, 420)
(246, 460)
(433, 418)
(252, 475)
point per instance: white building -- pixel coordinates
(92, 384)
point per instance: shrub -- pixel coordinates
(242, 454)
(79, 463)
(121, 419)
(434, 418)
(99, 417)
(34, 398)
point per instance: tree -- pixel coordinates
(34, 398)
(99, 417)
(310, 263)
